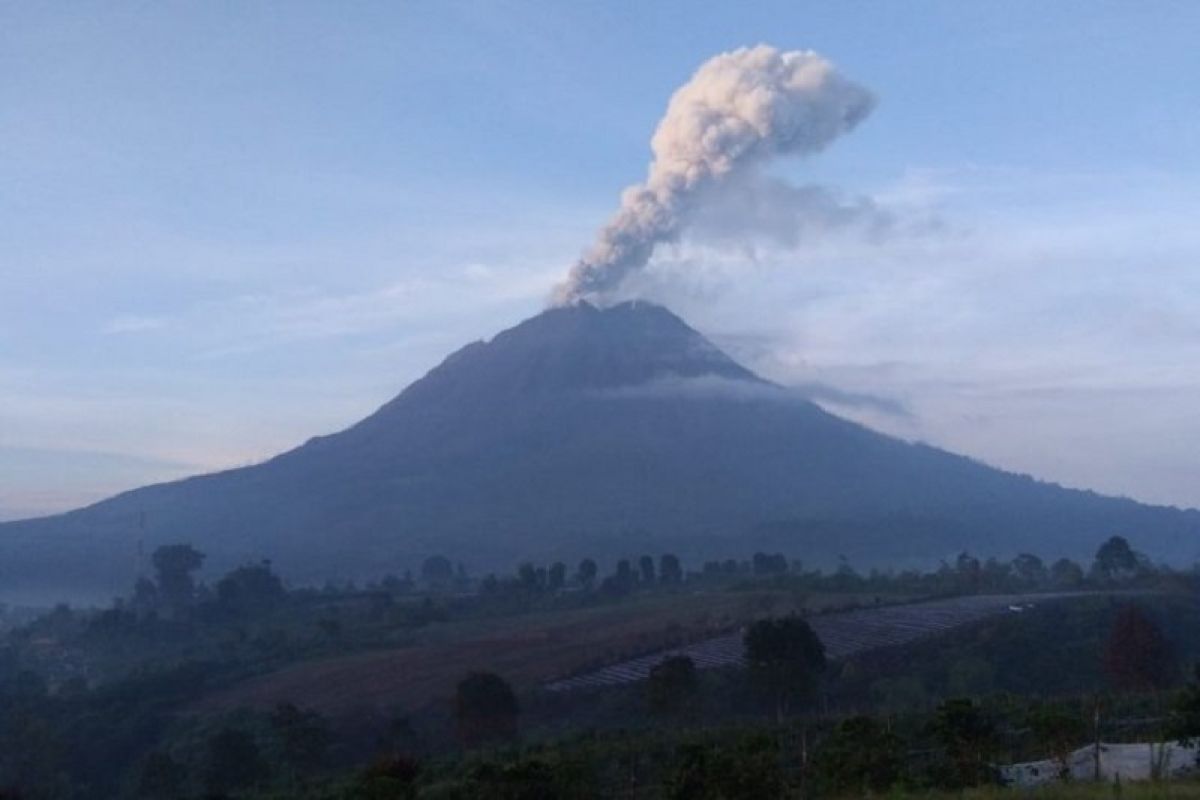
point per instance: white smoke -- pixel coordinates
(740, 109)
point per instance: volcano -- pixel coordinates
(583, 432)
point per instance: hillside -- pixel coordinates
(583, 431)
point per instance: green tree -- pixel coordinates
(1115, 560)
(390, 778)
(485, 709)
(968, 739)
(1137, 657)
(437, 572)
(145, 596)
(174, 565)
(969, 570)
(1029, 569)
(530, 778)
(786, 658)
(970, 676)
(902, 693)
(556, 578)
(622, 580)
(304, 737)
(250, 587)
(1066, 574)
(233, 762)
(1057, 731)
(1184, 720)
(161, 778)
(745, 769)
(764, 564)
(672, 685)
(670, 572)
(646, 568)
(527, 577)
(858, 757)
(586, 574)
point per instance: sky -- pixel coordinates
(228, 227)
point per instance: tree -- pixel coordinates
(161, 777)
(786, 657)
(1066, 574)
(669, 570)
(485, 709)
(527, 778)
(646, 567)
(968, 738)
(174, 564)
(1184, 720)
(1137, 657)
(437, 571)
(304, 736)
(903, 693)
(145, 596)
(970, 571)
(764, 564)
(234, 762)
(527, 576)
(1029, 569)
(556, 578)
(672, 686)
(623, 580)
(845, 577)
(250, 587)
(1058, 732)
(391, 777)
(1115, 560)
(970, 676)
(747, 768)
(859, 757)
(997, 574)
(586, 574)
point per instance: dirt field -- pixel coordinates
(527, 650)
(843, 634)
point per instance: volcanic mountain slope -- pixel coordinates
(583, 431)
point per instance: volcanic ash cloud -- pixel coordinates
(739, 110)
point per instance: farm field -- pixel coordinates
(528, 649)
(844, 633)
(595, 647)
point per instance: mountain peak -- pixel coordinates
(527, 446)
(582, 347)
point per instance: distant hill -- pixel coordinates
(583, 431)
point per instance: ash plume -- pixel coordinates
(739, 110)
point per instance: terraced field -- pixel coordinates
(843, 633)
(527, 649)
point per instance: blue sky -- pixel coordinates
(227, 227)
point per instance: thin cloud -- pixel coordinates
(134, 323)
(825, 393)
